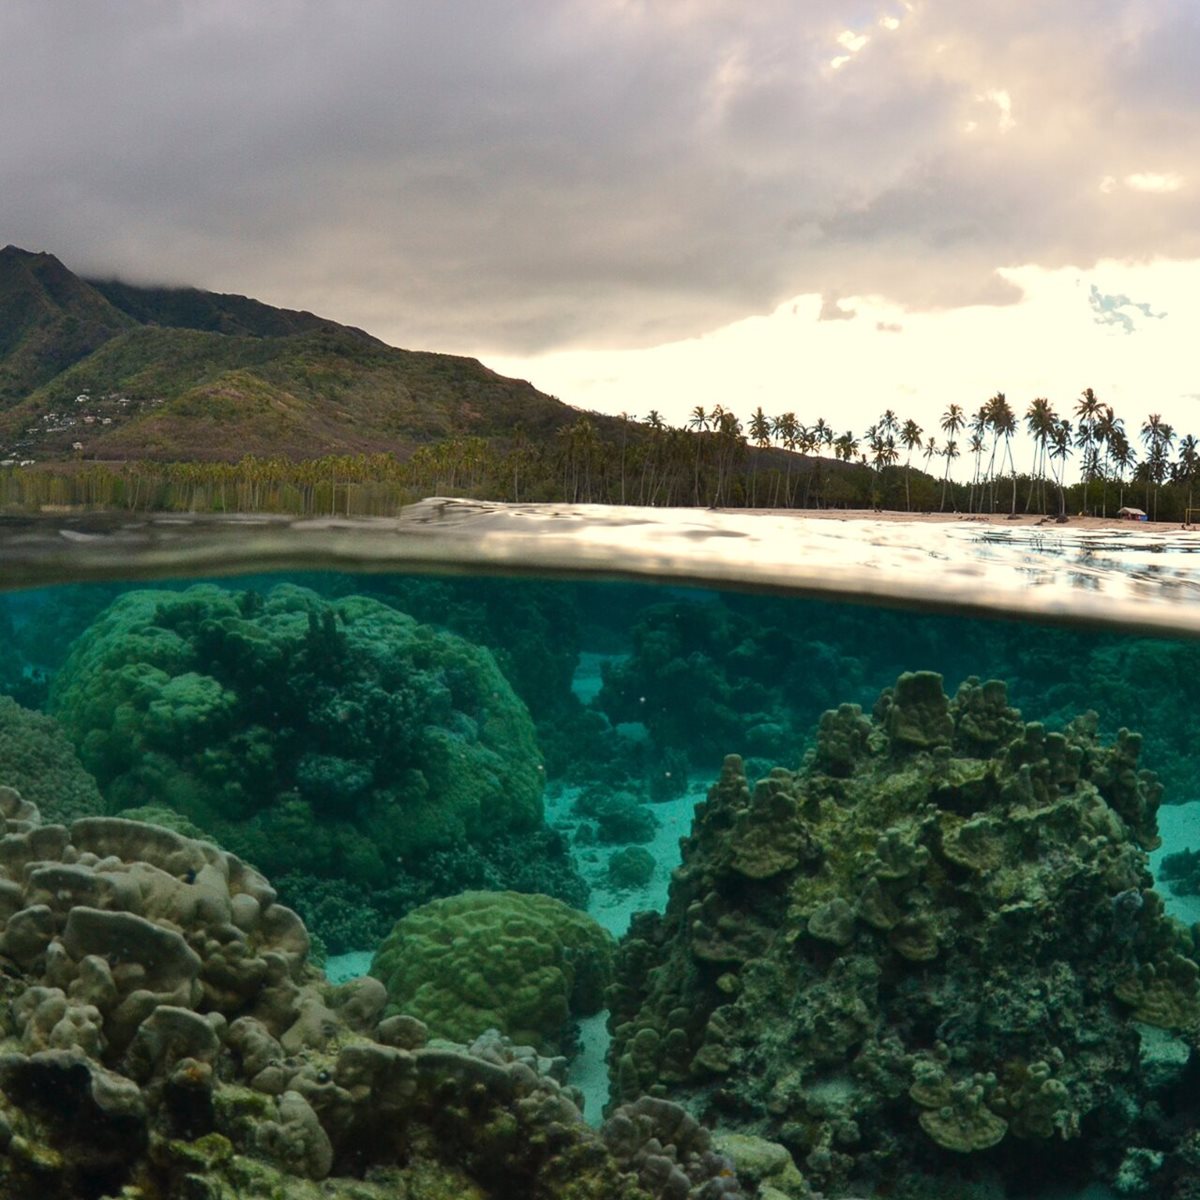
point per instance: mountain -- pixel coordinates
(182, 374)
(49, 319)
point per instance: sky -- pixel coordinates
(819, 207)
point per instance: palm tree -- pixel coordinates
(1123, 456)
(1186, 467)
(786, 428)
(1004, 424)
(730, 446)
(953, 420)
(1107, 428)
(931, 450)
(910, 439)
(698, 424)
(979, 428)
(1039, 420)
(1060, 448)
(998, 416)
(1157, 436)
(1087, 409)
(760, 432)
(949, 453)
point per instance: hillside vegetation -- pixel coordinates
(109, 371)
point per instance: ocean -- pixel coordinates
(566, 851)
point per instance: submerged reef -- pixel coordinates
(932, 951)
(332, 740)
(163, 1037)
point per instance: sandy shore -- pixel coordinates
(922, 518)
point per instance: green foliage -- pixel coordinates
(331, 739)
(39, 761)
(522, 964)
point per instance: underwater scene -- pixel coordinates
(420, 886)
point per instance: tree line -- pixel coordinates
(713, 459)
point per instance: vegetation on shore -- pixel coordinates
(175, 399)
(713, 461)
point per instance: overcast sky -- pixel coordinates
(823, 207)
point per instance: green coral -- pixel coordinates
(936, 935)
(326, 738)
(522, 964)
(37, 759)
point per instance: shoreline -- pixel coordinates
(1021, 520)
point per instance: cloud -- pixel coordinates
(518, 175)
(1112, 310)
(833, 310)
(888, 327)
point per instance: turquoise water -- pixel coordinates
(782, 861)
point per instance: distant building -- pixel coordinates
(1131, 514)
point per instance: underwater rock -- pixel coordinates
(523, 964)
(619, 817)
(169, 1041)
(945, 949)
(632, 867)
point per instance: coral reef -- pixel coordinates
(936, 938)
(164, 1038)
(522, 964)
(338, 741)
(37, 758)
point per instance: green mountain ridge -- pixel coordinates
(111, 371)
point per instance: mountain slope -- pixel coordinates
(211, 312)
(49, 319)
(176, 373)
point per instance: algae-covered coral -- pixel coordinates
(522, 964)
(334, 739)
(162, 1037)
(937, 936)
(37, 758)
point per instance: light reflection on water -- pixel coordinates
(1136, 579)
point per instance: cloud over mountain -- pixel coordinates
(514, 177)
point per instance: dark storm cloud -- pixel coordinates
(502, 176)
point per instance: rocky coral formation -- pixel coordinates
(164, 1038)
(936, 938)
(522, 964)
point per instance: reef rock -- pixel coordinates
(936, 938)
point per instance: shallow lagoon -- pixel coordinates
(921, 952)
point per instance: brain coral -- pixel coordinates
(325, 738)
(522, 964)
(936, 937)
(163, 1036)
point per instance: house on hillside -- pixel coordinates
(1131, 514)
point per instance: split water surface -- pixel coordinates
(784, 857)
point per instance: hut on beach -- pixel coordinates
(1131, 514)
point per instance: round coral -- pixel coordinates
(522, 964)
(333, 739)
